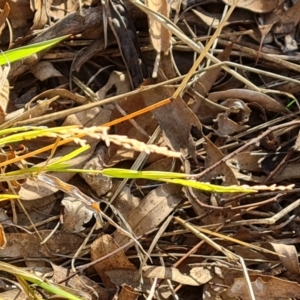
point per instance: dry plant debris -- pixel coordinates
(204, 88)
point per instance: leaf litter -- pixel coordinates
(228, 118)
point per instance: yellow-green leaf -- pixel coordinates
(204, 186)
(22, 52)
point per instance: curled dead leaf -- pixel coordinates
(257, 6)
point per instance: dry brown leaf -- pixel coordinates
(291, 171)
(239, 108)
(36, 209)
(227, 127)
(205, 109)
(265, 28)
(239, 16)
(61, 8)
(257, 6)
(2, 238)
(265, 288)
(79, 282)
(41, 9)
(119, 80)
(75, 215)
(15, 294)
(4, 93)
(129, 277)
(35, 189)
(92, 117)
(175, 119)
(125, 201)
(264, 100)
(153, 209)
(19, 12)
(3, 15)
(159, 35)
(44, 70)
(75, 283)
(104, 245)
(213, 291)
(214, 155)
(29, 245)
(93, 49)
(246, 161)
(99, 183)
(251, 254)
(128, 293)
(198, 275)
(289, 19)
(289, 256)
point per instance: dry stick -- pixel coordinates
(268, 57)
(267, 221)
(245, 146)
(193, 250)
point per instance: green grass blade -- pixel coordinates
(173, 177)
(22, 52)
(69, 156)
(50, 287)
(27, 133)
(207, 187)
(124, 173)
(4, 197)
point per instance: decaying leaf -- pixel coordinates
(40, 18)
(175, 119)
(129, 277)
(79, 282)
(160, 36)
(75, 215)
(154, 208)
(265, 101)
(2, 238)
(226, 127)
(129, 293)
(256, 5)
(289, 256)
(264, 287)
(98, 183)
(214, 19)
(104, 246)
(29, 245)
(198, 275)
(45, 70)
